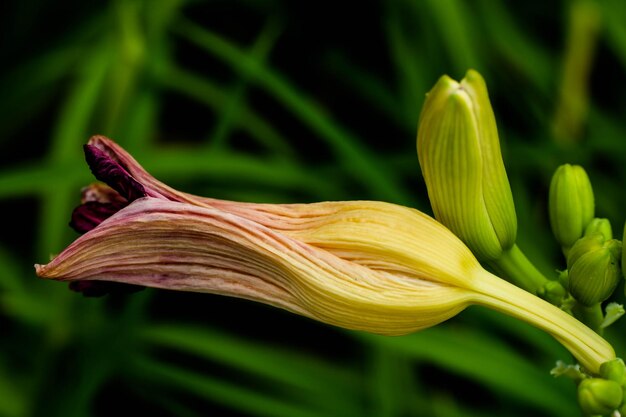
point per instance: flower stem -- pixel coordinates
(591, 316)
(589, 348)
(518, 269)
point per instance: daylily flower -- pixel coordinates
(363, 265)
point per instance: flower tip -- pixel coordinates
(447, 81)
(106, 169)
(43, 271)
(101, 142)
(444, 86)
(476, 87)
(473, 76)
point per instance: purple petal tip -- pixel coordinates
(107, 170)
(90, 214)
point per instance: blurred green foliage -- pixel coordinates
(285, 101)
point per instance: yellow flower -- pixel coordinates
(362, 265)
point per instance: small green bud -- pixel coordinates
(571, 204)
(584, 245)
(598, 396)
(553, 292)
(614, 370)
(593, 269)
(602, 226)
(459, 153)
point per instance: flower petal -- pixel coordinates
(105, 169)
(179, 246)
(90, 214)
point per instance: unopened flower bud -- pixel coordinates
(598, 396)
(571, 204)
(459, 153)
(602, 226)
(614, 370)
(584, 245)
(553, 292)
(594, 269)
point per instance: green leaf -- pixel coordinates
(278, 364)
(10, 272)
(210, 94)
(356, 158)
(486, 360)
(14, 401)
(221, 392)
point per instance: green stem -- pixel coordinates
(589, 348)
(591, 316)
(516, 268)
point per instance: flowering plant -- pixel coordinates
(365, 265)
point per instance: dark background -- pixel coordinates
(279, 101)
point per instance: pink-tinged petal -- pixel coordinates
(363, 224)
(179, 246)
(152, 186)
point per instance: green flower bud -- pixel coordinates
(584, 245)
(593, 269)
(459, 153)
(598, 396)
(614, 370)
(602, 226)
(553, 292)
(571, 204)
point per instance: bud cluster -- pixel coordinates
(461, 162)
(593, 256)
(606, 393)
